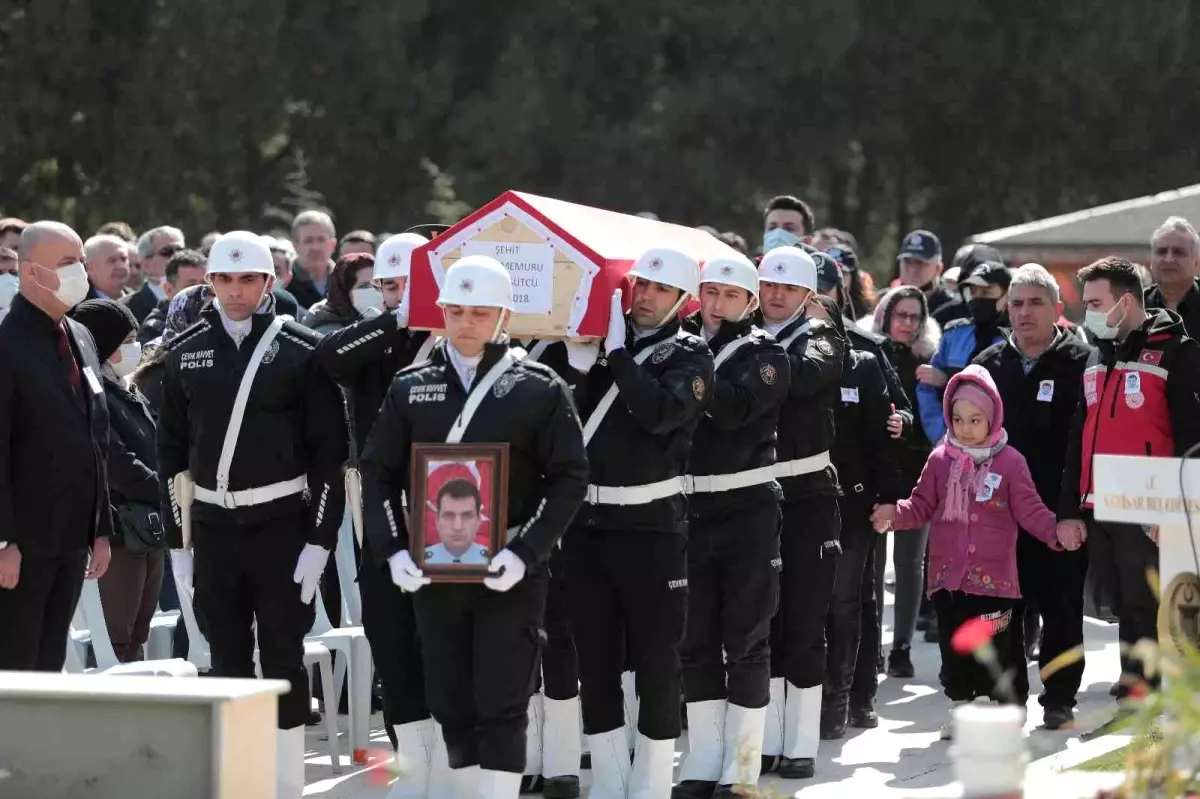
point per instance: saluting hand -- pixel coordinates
(101, 556)
(10, 567)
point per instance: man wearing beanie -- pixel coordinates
(129, 590)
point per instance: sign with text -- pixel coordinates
(1144, 490)
(531, 267)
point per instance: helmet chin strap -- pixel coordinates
(750, 308)
(683, 295)
(498, 332)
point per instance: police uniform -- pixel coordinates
(811, 524)
(480, 647)
(282, 494)
(865, 457)
(733, 559)
(475, 555)
(364, 358)
(554, 748)
(626, 550)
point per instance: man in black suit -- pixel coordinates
(106, 259)
(155, 248)
(54, 504)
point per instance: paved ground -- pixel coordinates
(902, 758)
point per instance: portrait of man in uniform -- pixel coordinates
(461, 488)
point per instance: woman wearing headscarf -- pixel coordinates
(129, 589)
(351, 293)
(183, 312)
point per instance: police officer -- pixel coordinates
(625, 551)
(251, 424)
(364, 358)
(811, 521)
(866, 467)
(479, 643)
(733, 537)
(553, 745)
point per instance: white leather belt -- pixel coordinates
(813, 463)
(712, 483)
(252, 496)
(634, 495)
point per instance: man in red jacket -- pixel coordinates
(1141, 396)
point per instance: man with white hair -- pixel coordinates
(155, 248)
(1175, 267)
(251, 446)
(315, 238)
(1038, 370)
(54, 503)
(106, 259)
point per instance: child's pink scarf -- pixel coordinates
(968, 469)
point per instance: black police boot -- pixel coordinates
(834, 709)
(694, 789)
(561, 788)
(797, 768)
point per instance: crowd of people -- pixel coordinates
(698, 504)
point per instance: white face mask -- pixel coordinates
(366, 298)
(72, 284)
(131, 356)
(9, 286)
(1097, 323)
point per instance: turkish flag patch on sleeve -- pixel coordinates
(1152, 357)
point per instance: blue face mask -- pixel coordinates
(778, 237)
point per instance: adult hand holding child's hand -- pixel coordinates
(882, 517)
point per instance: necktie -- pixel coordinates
(70, 367)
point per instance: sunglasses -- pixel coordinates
(168, 251)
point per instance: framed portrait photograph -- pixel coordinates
(459, 509)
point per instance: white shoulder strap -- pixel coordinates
(239, 404)
(593, 422)
(535, 352)
(797, 333)
(426, 347)
(730, 348)
(506, 362)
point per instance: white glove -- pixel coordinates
(309, 568)
(401, 311)
(615, 340)
(405, 573)
(510, 567)
(582, 355)
(183, 566)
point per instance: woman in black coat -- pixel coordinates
(129, 590)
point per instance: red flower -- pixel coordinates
(975, 634)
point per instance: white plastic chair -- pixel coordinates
(347, 571)
(106, 656)
(315, 654)
(160, 643)
(351, 642)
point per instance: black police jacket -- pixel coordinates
(364, 358)
(864, 451)
(806, 421)
(528, 408)
(293, 425)
(646, 436)
(554, 355)
(738, 431)
(53, 465)
(1039, 405)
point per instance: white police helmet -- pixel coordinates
(670, 268)
(394, 257)
(240, 251)
(731, 271)
(790, 266)
(477, 280)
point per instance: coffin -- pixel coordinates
(565, 260)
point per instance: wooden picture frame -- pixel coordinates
(458, 512)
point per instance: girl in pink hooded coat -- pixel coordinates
(974, 490)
